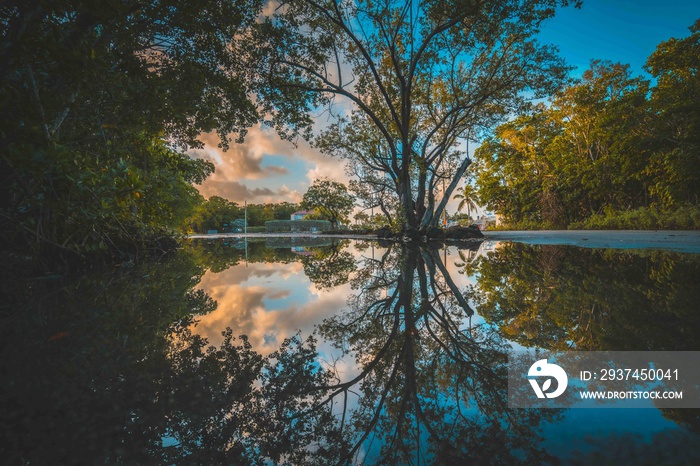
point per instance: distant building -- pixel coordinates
(489, 218)
(300, 215)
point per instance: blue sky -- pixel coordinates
(623, 31)
(266, 169)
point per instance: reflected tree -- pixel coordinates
(429, 388)
(329, 266)
(567, 298)
(109, 370)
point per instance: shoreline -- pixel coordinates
(301, 234)
(686, 241)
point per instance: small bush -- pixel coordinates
(278, 226)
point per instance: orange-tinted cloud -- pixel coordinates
(235, 191)
(240, 161)
(246, 162)
(252, 301)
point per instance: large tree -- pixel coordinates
(421, 77)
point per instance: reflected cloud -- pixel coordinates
(268, 302)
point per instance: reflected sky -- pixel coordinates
(273, 301)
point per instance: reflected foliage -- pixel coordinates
(218, 255)
(108, 368)
(329, 266)
(561, 298)
(557, 297)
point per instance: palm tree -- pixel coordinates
(467, 199)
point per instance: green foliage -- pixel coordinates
(90, 92)
(643, 218)
(278, 226)
(330, 199)
(213, 213)
(675, 164)
(609, 150)
(467, 199)
(308, 225)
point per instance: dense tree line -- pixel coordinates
(325, 200)
(612, 150)
(99, 100)
(215, 212)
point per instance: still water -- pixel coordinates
(314, 351)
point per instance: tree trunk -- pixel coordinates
(432, 220)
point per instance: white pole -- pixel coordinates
(245, 217)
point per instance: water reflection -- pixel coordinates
(407, 377)
(563, 297)
(348, 352)
(105, 369)
(283, 288)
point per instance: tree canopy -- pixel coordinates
(331, 199)
(421, 77)
(610, 143)
(102, 97)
